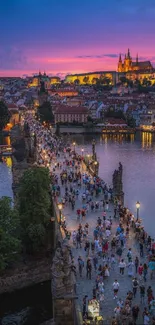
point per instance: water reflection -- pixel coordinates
(117, 138)
(147, 140)
(137, 154)
(6, 172)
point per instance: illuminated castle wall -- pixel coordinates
(92, 77)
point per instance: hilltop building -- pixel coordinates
(129, 65)
(48, 81)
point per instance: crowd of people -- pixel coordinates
(106, 248)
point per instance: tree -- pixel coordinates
(86, 79)
(76, 82)
(89, 118)
(123, 80)
(42, 87)
(34, 207)
(9, 227)
(131, 121)
(104, 80)
(146, 82)
(4, 115)
(114, 113)
(94, 81)
(44, 113)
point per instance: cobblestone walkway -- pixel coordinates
(84, 285)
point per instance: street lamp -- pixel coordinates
(74, 144)
(53, 230)
(138, 208)
(95, 164)
(82, 150)
(60, 209)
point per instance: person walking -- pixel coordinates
(142, 293)
(129, 255)
(145, 268)
(89, 269)
(122, 266)
(141, 249)
(135, 286)
(119, 252)
(115, 288)
(84, 305)
(140, 270)
(136, 264)
(81, 265)
(78, 240)
(95, 262)
(135, 313)
(130, 268)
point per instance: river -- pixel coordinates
(137, 154)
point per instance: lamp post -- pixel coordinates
(88, 156)
(82, 150)
(93, 149)
(53, 231)
(138, 208)
(95, 164)
(60, 209)
(74, 144)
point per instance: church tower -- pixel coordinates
(137, 59)
(128, 62)
(120, 65)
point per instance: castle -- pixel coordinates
(129, 65)
(48, 81)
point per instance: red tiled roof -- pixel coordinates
(12, 106)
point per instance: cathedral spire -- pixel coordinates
(137, 58)
(120, 58)
(128, 55)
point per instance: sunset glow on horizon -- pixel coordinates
(64, 38)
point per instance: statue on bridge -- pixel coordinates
(63, 278)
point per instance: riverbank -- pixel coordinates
(25, 275)
(71, 129)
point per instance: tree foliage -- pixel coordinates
(9, 227)
(104, 80)
(114, 113)
(44, 113)
(4, 115)
(131, 121)
(86, 79)
(76, 81)
(34, 207)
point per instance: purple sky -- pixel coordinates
(69, 36)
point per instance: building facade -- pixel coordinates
(129, 65)
(48, 81)
(70, 114)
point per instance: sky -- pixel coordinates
(73, 36)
